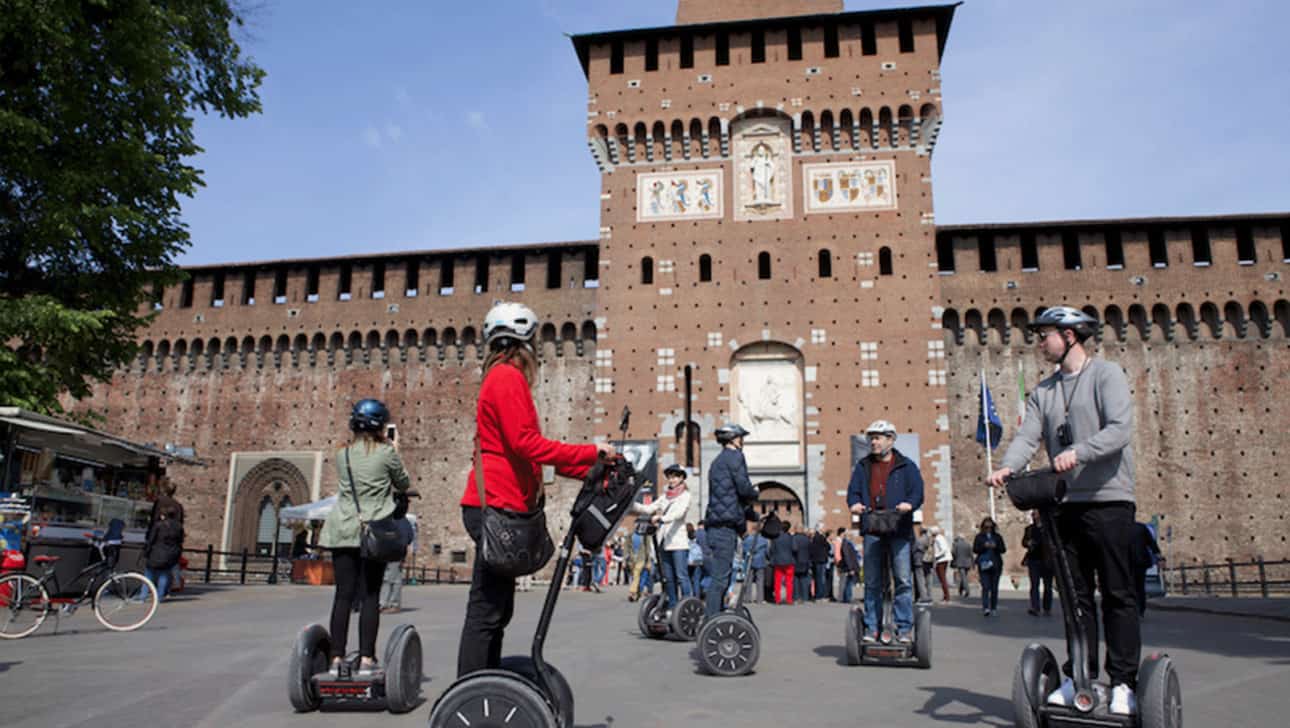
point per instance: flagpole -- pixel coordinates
(989, 456)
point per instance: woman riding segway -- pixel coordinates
(677, 612)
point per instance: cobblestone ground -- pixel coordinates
(219, 658)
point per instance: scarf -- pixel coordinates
(672, 493)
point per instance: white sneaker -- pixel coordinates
(1123, 701)
(1064, 695)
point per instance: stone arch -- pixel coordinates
(1163, 320)
(998, 326)
(867, 135)
(1020, 322)
(373, 339)
(1234, 319)
(972, 320)
(1260, 318)
(776, 497)
(1186, 316)
(589, 331)
(1113, 319)
(1281, 312)
(1209, 315)
(905, 117)
(275, 478)
(950, 322)
(1138, 318)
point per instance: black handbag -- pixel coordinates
(511, 543)
(882, 522)
(378, 540)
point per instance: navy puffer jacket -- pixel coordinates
(904, 485)
(729, 489)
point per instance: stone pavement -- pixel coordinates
(219, 658)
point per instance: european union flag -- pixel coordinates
(991, 415)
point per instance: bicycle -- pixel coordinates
(122, 601)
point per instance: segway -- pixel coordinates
(1038, 674)
(655, 619)
(729, 643)
(396, 687)
(887, 650)
(527, 692)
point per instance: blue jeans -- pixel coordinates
(822, 590)
(877, 550)
(646, 581)
(990, 588)
(1039, 574)
(848, 585)
(696, 579)
(161, 578)
(721, 541)
(597, 569)
(674, 565)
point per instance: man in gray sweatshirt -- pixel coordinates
(1083, 416)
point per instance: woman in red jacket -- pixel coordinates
(513, 453)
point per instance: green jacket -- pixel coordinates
(379, 472)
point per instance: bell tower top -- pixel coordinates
(714, 11)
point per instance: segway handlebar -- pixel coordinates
(1035, 489)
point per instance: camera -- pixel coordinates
(1064, 436)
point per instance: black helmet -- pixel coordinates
(369, 415)
(1065, 317)
(729, 432)
(674, 469)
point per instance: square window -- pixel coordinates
(936, 350)
(714, 338)
(869, 378)
(935, 377)
(666, 357)
(868, 350)
(817, 336)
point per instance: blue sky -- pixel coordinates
(427, 124)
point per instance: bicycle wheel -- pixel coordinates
(125, 602)
(24, 604)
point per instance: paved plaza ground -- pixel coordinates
(219, 658)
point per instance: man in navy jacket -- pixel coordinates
(730, 492)
(885, 481)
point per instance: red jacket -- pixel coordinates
(514, 449)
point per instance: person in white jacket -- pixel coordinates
(668, 513)
(942, 557)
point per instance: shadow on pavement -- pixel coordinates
(4, 666)
(964, 707)
(837, 652)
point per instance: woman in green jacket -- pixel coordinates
(369, 470)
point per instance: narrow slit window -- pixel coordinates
(481, 274)
(591, 269)
(647, 271)
(1285, 241)
(217, 290)
(248, 288)
(280, 285)
(311, 284)
(1158, 249)
(944, 254)
(705, 268)
(758, 44)
(378, 280)
(517, 272)
(344, 286)
(651, 54)
(1200, 251)
(831, 41)
(826, 264)
(1114, 250)
(1029, 253)
(446, 275)
(868, 40)
(763, 266)
(1245, 250)
(687, 51)
(186, 293)
(905, 28)
(616, 57)
(985, 253)
(794, 44)
(884, 261)
(1070, 251)
(412, 279)
(553, 261)
(723, 49)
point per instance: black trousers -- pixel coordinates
(1099, 541)
(1141, 576)
(356, 578)
(488, 610)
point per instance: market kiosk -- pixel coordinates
(62, 480)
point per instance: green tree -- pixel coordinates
(97, 104)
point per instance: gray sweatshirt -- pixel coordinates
(1101, 423)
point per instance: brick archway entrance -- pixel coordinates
(275, 479)
(779, 498)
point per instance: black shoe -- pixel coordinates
(1032, 612)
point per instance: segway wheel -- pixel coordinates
(403, 669)
(923, 638)
(686, 618)
(1159, 693)
(493, 697)
(650, 617)
(742, 611)
(855, 630)
(1036, 676)
(308, 657)
(729, 645)
(563, 694)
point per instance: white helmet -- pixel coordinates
(881, 427)
(510, 320)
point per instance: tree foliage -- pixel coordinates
(97, 104)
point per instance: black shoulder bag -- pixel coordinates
(378, 540)
(511, 543)
(879, 522)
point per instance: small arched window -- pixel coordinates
(705, 268)
(884, 261)
(826, 264)
(647, 270)
(763, 266)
